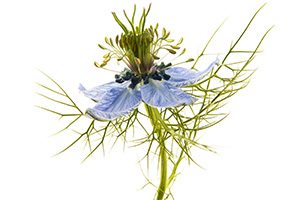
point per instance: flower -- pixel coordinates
(159, 87)
(170, 133)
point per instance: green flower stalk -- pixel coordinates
(178, 102)
(158, 125)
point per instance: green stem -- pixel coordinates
(163, 172)
(174, 170)
(158, 125)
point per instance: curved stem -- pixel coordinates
(158, 125)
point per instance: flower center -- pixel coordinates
(157, 72)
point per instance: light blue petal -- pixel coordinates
(181, 76)
(98, 92)
(117, 101)
(163, 95)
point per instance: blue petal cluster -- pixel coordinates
(119, 98)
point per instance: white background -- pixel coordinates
(258, 144)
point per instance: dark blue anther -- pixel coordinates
(127, 76)
(163, 66)
(120, 80)
(168, 65)
(145, 78)
(166, 76)
(134, 81)
(156, 76)
(131, 85)
(146, 81)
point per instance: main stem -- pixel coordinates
(156, 122)
(163, 171)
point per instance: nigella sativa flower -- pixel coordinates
(159, 87)
(155, 84)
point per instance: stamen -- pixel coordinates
(145, 78)
(156, 76)
(163, 66)
(134, 81)
(120, 80)
(164, 75)
(158, 73)
(127, 76)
